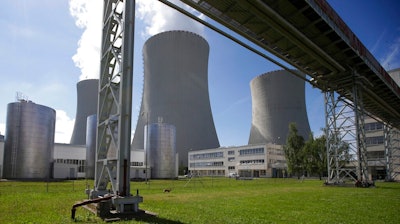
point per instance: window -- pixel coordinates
(210, 155)
(254, 161)
(231, 152)
(251, 151)
(231, 159)
(377, 140)
(373, 126)
(206, 164)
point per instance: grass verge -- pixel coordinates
(211, 200)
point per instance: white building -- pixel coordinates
(70, 162)
(262, 160)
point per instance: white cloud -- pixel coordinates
(158, 17)
(64, 127)
(88, 16)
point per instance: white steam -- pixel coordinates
(158, 17)
(154, 16)
(88, 16)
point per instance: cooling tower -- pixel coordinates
(176, 88)
(87, 91)
(278, 99)
(161, 150)
(29, 145)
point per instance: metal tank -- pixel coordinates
(176, 88)
(160, 150)
(278, 99)
(29, 141)
(91, 130)
(87, 95)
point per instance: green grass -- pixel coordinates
(212, 200)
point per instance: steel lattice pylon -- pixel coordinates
(115, 106)
(346, 145)
(392, 152)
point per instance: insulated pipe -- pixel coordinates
(91, 201)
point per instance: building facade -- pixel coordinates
(261, 160)
(383, 162)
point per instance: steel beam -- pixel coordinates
(392, 152)
(346, 140)
(115, 106)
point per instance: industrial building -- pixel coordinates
(261, 160)
(176, 89)
(381, 162)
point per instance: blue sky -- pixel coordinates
(46, 49)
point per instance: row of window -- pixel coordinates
(251, 151)
(206, 164)
(373, 126)
(79, 162)
(251, 161)
(207, 155)
(377, 140)
(136, 163)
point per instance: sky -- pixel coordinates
(45, 49)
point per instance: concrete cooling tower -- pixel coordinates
(29, 145)
(87, 91)
(176, 89)
(278, 99)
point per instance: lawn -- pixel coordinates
(211, 200)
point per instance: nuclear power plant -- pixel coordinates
(175, 126)
(176, 89)
(28, 148)
(87, 91)
(278, 99)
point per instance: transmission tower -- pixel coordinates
(112, 168)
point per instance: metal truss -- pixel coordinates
(346, 145)
(392, 153)
(115, 106)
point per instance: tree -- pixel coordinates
(314, 155)
(293, 151)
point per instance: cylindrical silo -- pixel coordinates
(161, 150)
(278, 99)
(176, 88)
(91, 130)
(87, 95)
(29, 143)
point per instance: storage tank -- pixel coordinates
(29, 141)
(176, 88)
(161, 150)
(91, 130)
(278, 99)
(87, 95)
